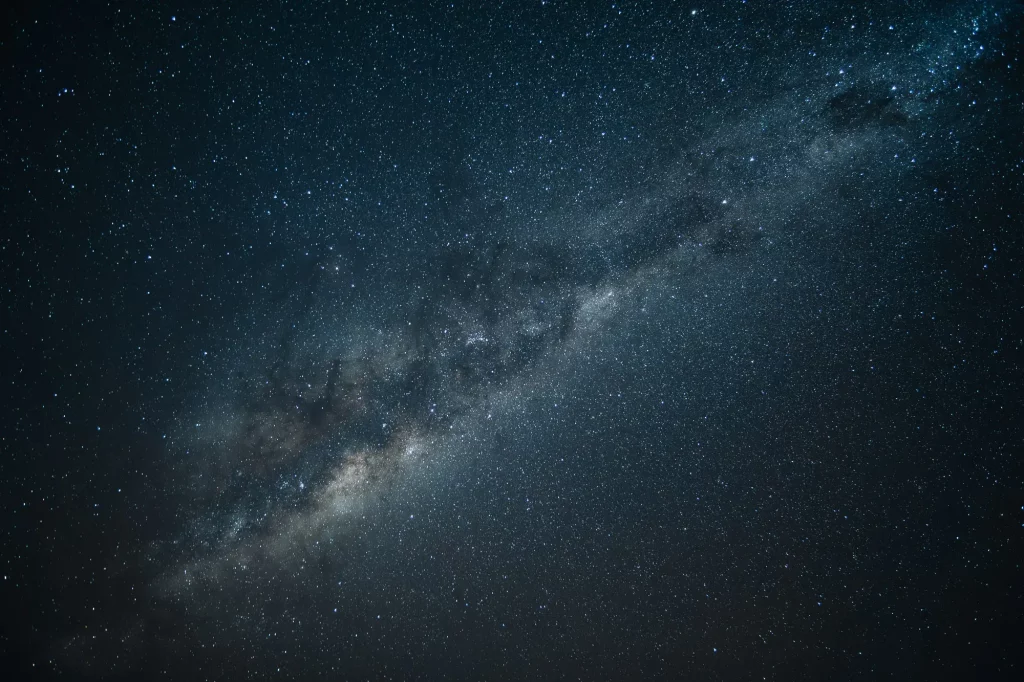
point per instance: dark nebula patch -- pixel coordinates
(860, 107)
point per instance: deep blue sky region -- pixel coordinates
(512, 340)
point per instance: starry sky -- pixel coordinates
(512, 340)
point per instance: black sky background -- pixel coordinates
(607, 340)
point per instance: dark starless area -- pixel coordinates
(512, 340)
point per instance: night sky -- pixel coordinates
(512, 340)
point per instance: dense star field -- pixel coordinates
(507, 341)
